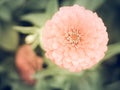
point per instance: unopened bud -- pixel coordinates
(30, 39)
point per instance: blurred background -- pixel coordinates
(34, 13)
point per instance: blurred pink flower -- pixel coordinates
(75, 38)
(27, 63)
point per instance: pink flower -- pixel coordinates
(75, 38)
(27, 63)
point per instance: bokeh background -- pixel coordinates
(34, 13)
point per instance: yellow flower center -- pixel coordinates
(73, 37)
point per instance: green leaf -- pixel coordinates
(113, 86)
(36, 4)
(19, 85)
(51, 82)
(90, 4)
(9, 39)
(38, 19)
(58, 81)
(2, 1)
(113, 49)
(42, 85)
(90, 80)
(5, 14)
(1, 69)
(25, 30)
(52, 7)
(14, 4)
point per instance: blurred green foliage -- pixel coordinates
(26, 16)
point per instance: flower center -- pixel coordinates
(73, 37)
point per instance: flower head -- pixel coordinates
(75, 38)
(28, 63)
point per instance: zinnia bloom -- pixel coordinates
(28, 63)
(75, 38)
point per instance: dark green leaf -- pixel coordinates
(36, 4)
(90, 4)
(113, 86)
(13, 4)
(67, 2)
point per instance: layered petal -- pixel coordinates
(75, 38)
